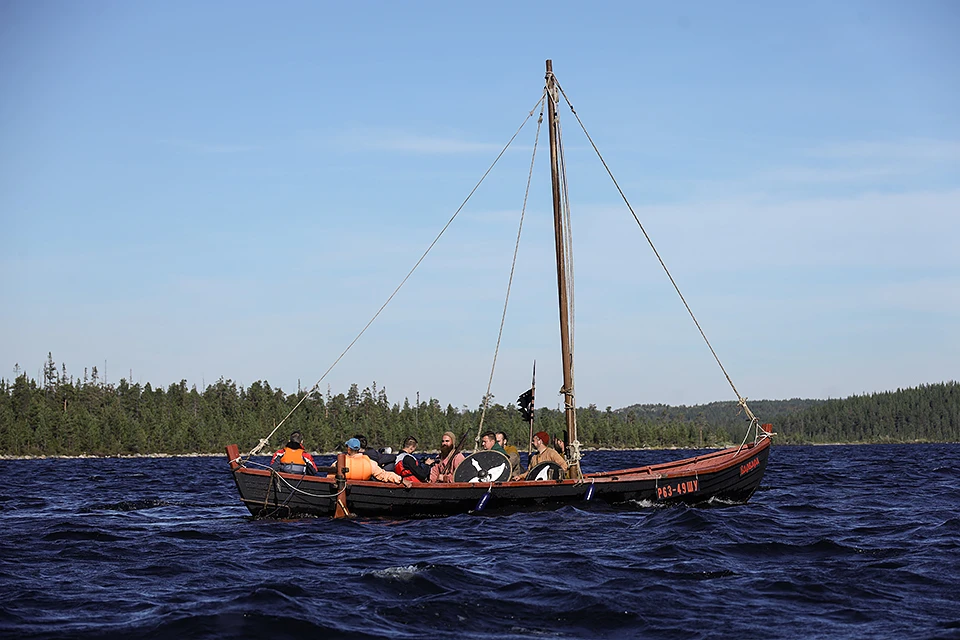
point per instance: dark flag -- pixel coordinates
(525, 405)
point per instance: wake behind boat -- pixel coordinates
(728, 476)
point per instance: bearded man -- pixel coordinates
(545, 453)
(443, 470)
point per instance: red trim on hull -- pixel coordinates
(715, 476)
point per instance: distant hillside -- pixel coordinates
(723, 413)
(928, 413)
(63, 415)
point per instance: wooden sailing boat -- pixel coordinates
(728, 476)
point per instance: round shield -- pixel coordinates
(483, 466)
(545, 471)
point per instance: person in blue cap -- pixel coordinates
(360, 467)
(370, 452)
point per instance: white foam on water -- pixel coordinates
(397, 573)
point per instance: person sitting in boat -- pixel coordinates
(387, 457)
(407, 465)
(545, 453)
(293, 459)
(450, 459)
(511, 452)
(559, 445)
(488, 441)
(361, 467)
(368, 451)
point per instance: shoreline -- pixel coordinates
(84, 456)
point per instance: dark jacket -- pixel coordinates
(408, 466)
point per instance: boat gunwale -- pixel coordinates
(687, 465)
(672, 469)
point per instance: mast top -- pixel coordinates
(549, 66)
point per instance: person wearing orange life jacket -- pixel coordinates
(293, 459)
(407, 465)
(360, 467)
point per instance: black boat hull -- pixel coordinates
(728, 476)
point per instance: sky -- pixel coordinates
(233, 189)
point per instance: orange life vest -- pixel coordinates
(359, 467)
(294, 460)
(292, 456)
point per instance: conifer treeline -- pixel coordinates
(928, 413)
(61, 415)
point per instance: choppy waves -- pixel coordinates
(853, 542)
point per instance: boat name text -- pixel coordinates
(749, 466)
(678, 489)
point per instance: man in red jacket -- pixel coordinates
(407, 465)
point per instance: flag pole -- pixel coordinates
(533, 392)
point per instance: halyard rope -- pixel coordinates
(513, 266)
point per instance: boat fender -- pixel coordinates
(483, 501)
(589, 493)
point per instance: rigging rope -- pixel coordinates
(741, 400)
(264, 441)
(293, 488)
(513, 266)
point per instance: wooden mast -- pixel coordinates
(565, 342)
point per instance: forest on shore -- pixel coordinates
(63, 415)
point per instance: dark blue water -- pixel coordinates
(840, 542)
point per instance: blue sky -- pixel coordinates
(196, 190)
